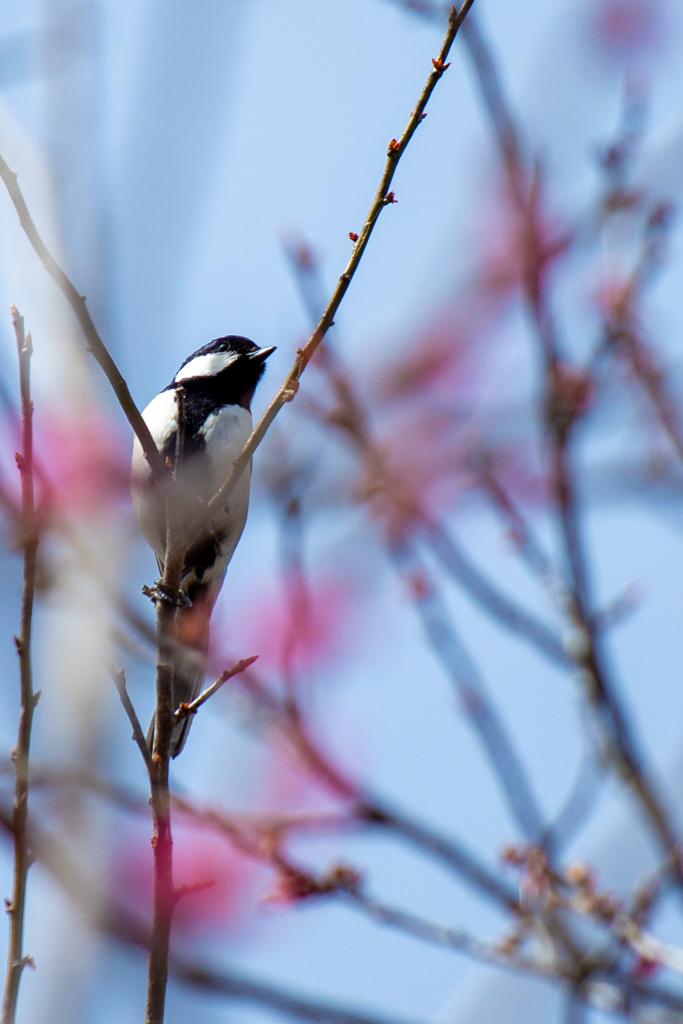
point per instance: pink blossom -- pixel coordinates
(266, 624)
(82, 459)
(626, 27)
(219, 879)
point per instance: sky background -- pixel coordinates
(166, 151)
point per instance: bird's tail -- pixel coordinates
(189, 663)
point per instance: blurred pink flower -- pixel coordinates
(628, 27)
(202, 859)
(644, 968)
(83, 458)
(265, 624)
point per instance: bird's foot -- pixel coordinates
(160, 592)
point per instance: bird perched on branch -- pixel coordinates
(218, 383)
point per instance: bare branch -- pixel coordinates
(167, 594)
(94, 342)
(119, 679)
(383, 197)
(16, 959)
(191, 709)
(560, 414)
(372, 810)
(578, 805)
(449, 852)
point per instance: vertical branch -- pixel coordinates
(168, 598)
(476, 703)
(16, 960)
(575, 1010)
(564, 389)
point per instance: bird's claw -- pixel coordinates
(160, 592)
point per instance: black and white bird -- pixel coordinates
(218, 383)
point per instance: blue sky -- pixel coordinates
(182, 145)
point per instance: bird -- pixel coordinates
(218, 382)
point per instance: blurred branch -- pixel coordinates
(575, 1010)
(130, 930)
(16, 959)
(295, 584)
(476, 704)
(589, 974)
(578, 806)
(564, 389)
(248, 990)
(623, 335)
(520, 533)
(246, 831)
(383, 197)
(406, 516)
(652, 377)
(620, 743)
(375, 811)
(497, 604)
(370, 809)
(94, 342)
(351, 418)
(451, 938)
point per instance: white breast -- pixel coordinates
(225, 433)
(159, 416)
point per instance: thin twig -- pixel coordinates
(535, 558)
(191, 709)
(16, 959)
(383, 197)
(370, 809)
(127, 928)
(119, 679)
(94, 342)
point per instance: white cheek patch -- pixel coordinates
(206, 366)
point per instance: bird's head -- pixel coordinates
(227, 368)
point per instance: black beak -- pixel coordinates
(261, 354)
